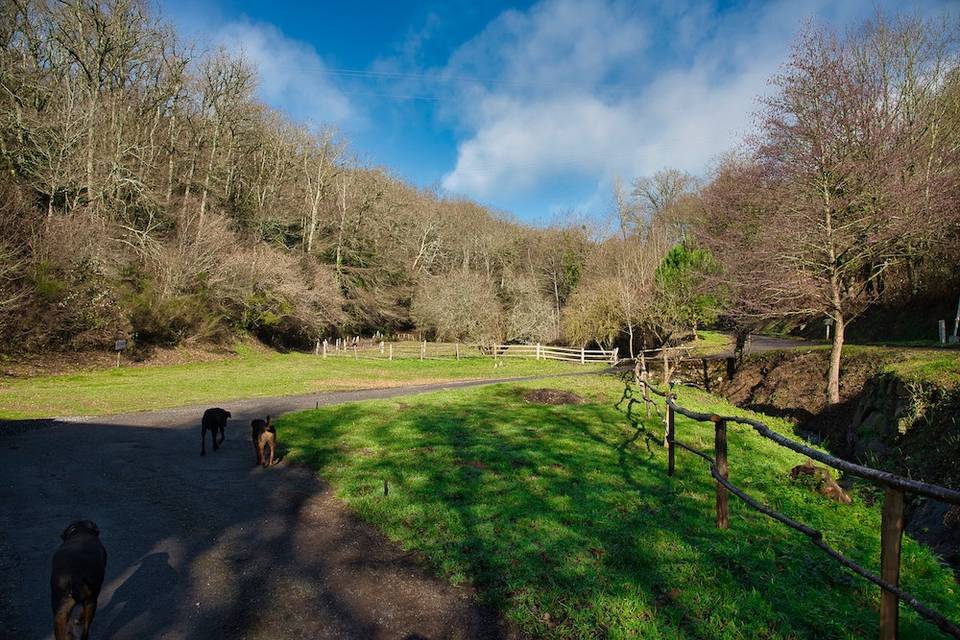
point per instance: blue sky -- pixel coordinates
(531, 108)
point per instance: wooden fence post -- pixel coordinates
(391, 352)
(583, 355)
(381, 347)
(671, 449)
(316, 350)
(324, 347)
(891, 535)
(458, 352)
(645, 378)
(720, 454)
(538, 351)
(613, 356)
(423, 349)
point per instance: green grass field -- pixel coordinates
(250, 374)
(710, 343)
(564, 518)
(940, 367)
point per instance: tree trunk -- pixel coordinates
(833, 377)
(206, 179)
(556, 298)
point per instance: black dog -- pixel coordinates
(214, 420)
(78, 568)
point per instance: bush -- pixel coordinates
(530, 317)
(458, 306)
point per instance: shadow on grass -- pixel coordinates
(564, 518)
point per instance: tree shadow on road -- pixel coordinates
(211, 547)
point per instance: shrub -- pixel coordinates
(458, 306)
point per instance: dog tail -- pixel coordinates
(67, 593)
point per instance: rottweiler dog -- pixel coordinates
(214, 420)
(78, 568)
(264, 435)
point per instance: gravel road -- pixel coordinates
(210, 547)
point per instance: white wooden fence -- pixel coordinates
(546, 352)
(369, 348)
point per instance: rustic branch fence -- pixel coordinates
(891, 530)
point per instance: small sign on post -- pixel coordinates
(119, 346)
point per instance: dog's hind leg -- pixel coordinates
(86, 619)
(61, 619)
(273, 450)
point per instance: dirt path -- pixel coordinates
(210, 547)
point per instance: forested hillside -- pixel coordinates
(146, 191)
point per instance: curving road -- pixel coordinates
(210, 547)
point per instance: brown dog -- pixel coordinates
(78, 568)
(214, 420)
(264, 435)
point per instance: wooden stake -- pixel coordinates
(891, 535)
(458, 352)
(720, 454)
(669, 437)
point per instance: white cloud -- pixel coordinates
(579, 88)
(291, 74)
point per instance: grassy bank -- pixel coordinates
(564, 518)
(250, 374)
(710, 343)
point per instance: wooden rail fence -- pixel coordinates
(546, 352)
(371, 348)
(891, 530)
